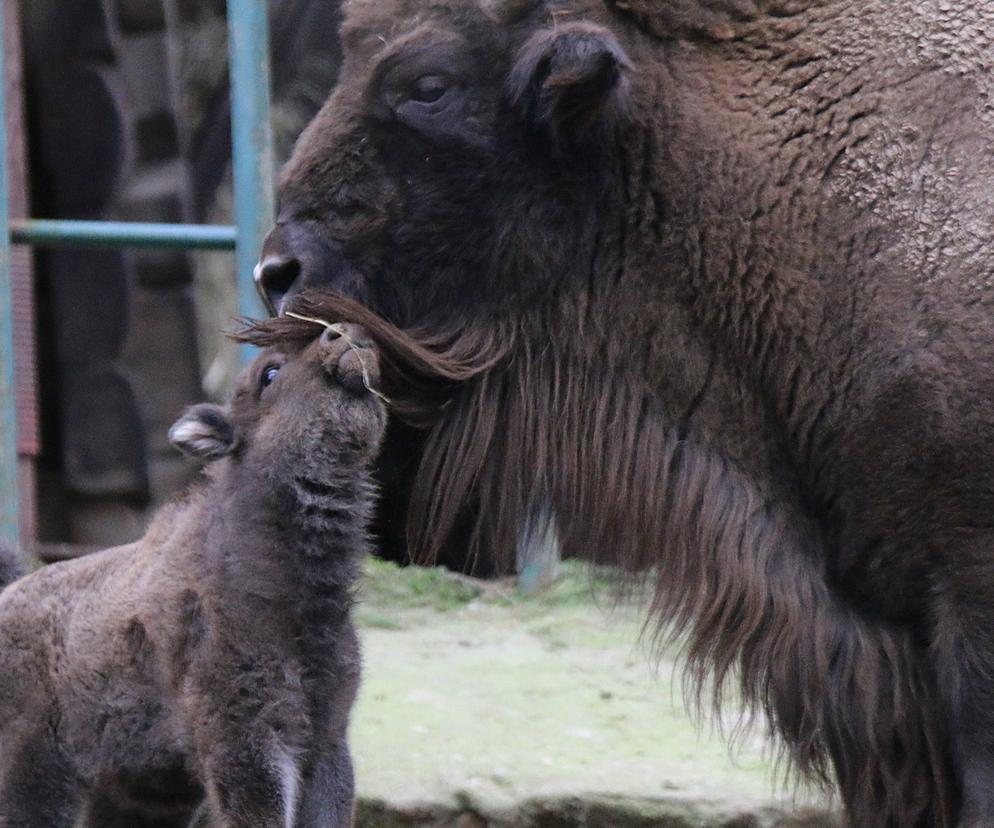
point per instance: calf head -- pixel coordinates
(306, 402)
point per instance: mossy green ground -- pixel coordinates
(480, 704)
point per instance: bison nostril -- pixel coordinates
(274, 278)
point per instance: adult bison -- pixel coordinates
(728, 268)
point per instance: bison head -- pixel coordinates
(460, 178)
(460, 165)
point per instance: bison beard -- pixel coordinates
(510, 413)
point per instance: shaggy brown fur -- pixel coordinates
(216, 656)
(726, 265)
(738, 572)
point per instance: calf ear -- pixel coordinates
(571, 82)
(204, 431)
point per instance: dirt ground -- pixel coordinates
(482, 707)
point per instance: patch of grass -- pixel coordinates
(386, 586)
(378, 620)
(528, 710)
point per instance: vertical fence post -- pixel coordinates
(252, 145)
(9, 490)
(252, 141)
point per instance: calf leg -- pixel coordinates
(202, 817)
(37, 784)
(328, 797)
(251, 785)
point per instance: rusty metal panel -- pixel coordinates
(21, 264)
(26, 382)
(21, 275)
(9, 478)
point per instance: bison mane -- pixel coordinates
(518, 419)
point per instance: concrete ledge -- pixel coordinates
(589, 811)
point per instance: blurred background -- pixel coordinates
(127, 117)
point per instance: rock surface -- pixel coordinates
(480, 708)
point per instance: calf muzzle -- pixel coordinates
(349, 358)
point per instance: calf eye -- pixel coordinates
(268, 375)
(429, 89)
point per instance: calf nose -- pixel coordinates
(350, 358)
(275, 276)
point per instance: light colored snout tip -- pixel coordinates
(257, 273)
(260, 288)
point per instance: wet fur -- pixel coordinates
(215, 657)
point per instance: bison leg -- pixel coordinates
(964, 649)
(328, 797)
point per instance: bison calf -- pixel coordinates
(214, 661)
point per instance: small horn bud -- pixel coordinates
(507, 11)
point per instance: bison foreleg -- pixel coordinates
(963, 644)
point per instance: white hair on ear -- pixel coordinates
(194, 436)
(203, 432)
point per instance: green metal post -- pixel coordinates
(252, 164)
(252, 142)
(9, 488)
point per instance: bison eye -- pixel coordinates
(433, 100)
(429, 89)
(268, 375)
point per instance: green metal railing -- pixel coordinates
(50, 232)
(252, 163)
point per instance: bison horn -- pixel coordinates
(717, 19)
(507, 11)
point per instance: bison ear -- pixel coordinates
(571, 82)
(204, 431)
